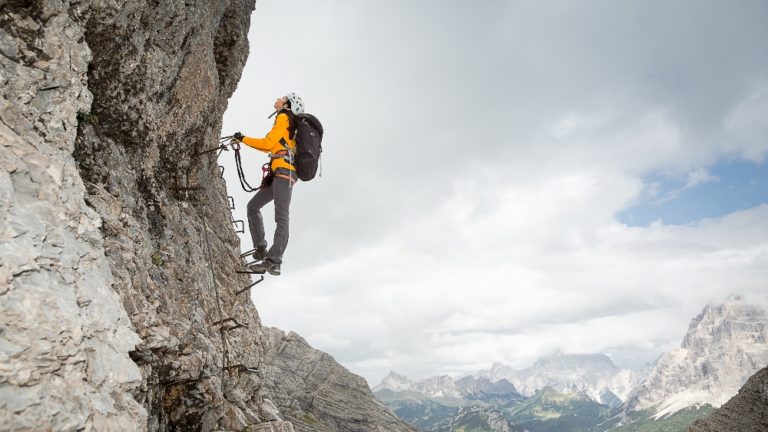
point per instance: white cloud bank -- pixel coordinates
(476, 159)
(503, 272)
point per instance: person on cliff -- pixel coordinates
(280, 144)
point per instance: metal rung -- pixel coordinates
(231, 202)
(246, 253)
(182, 188)
(211, 150)
(236, 324)
(247, 272)
(184, 381)
(248, 266)
(221, 171)
(239, 223)
(241, 368)
(251, 285)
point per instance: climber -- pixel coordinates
(280, 144)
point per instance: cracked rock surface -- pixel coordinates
(121, 308)
(160, 77)
(745, 412)
(64, 334)
(315, 393)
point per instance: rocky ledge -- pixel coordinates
(315, 393)
(745, 412)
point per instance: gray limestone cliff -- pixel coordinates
(120, 303)
(745, 412)
(724, 346)
(316, 393)
(64, 334)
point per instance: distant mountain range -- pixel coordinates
(564, 402)
(592, 374)
(442, 404)
(545, 411)
(444, 387)
(723, 347)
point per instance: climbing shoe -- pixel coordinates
(260, 253)
(266, 266)
(274, 269)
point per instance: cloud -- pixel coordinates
(746, 128)
(461, 289)
(693, 178)
(476, 157)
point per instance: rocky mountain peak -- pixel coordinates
(728, 321)
(592, 374)
(444, 386)
(439, 386)
(394, 376)
(394, 382)
(472, 385)
(316, 393)
(724, 345)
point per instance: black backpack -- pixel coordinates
(309, 137)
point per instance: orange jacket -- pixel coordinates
(271, 143)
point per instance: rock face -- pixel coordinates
(120, 303)
(442, 386)
(482, 389)
(161, 75)
(477, 418)
(315, 393)
(724, 346)
(64, 334)
(745, 412)
(394, 382)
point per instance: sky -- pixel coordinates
(502, 180)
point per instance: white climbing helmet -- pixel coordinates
(297, 105)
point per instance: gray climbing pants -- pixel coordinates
(280, 192)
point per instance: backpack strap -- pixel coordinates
(285, 145)
(284, 155)
(287, 155)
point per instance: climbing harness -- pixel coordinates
(267, 175)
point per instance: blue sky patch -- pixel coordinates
(719, 190)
